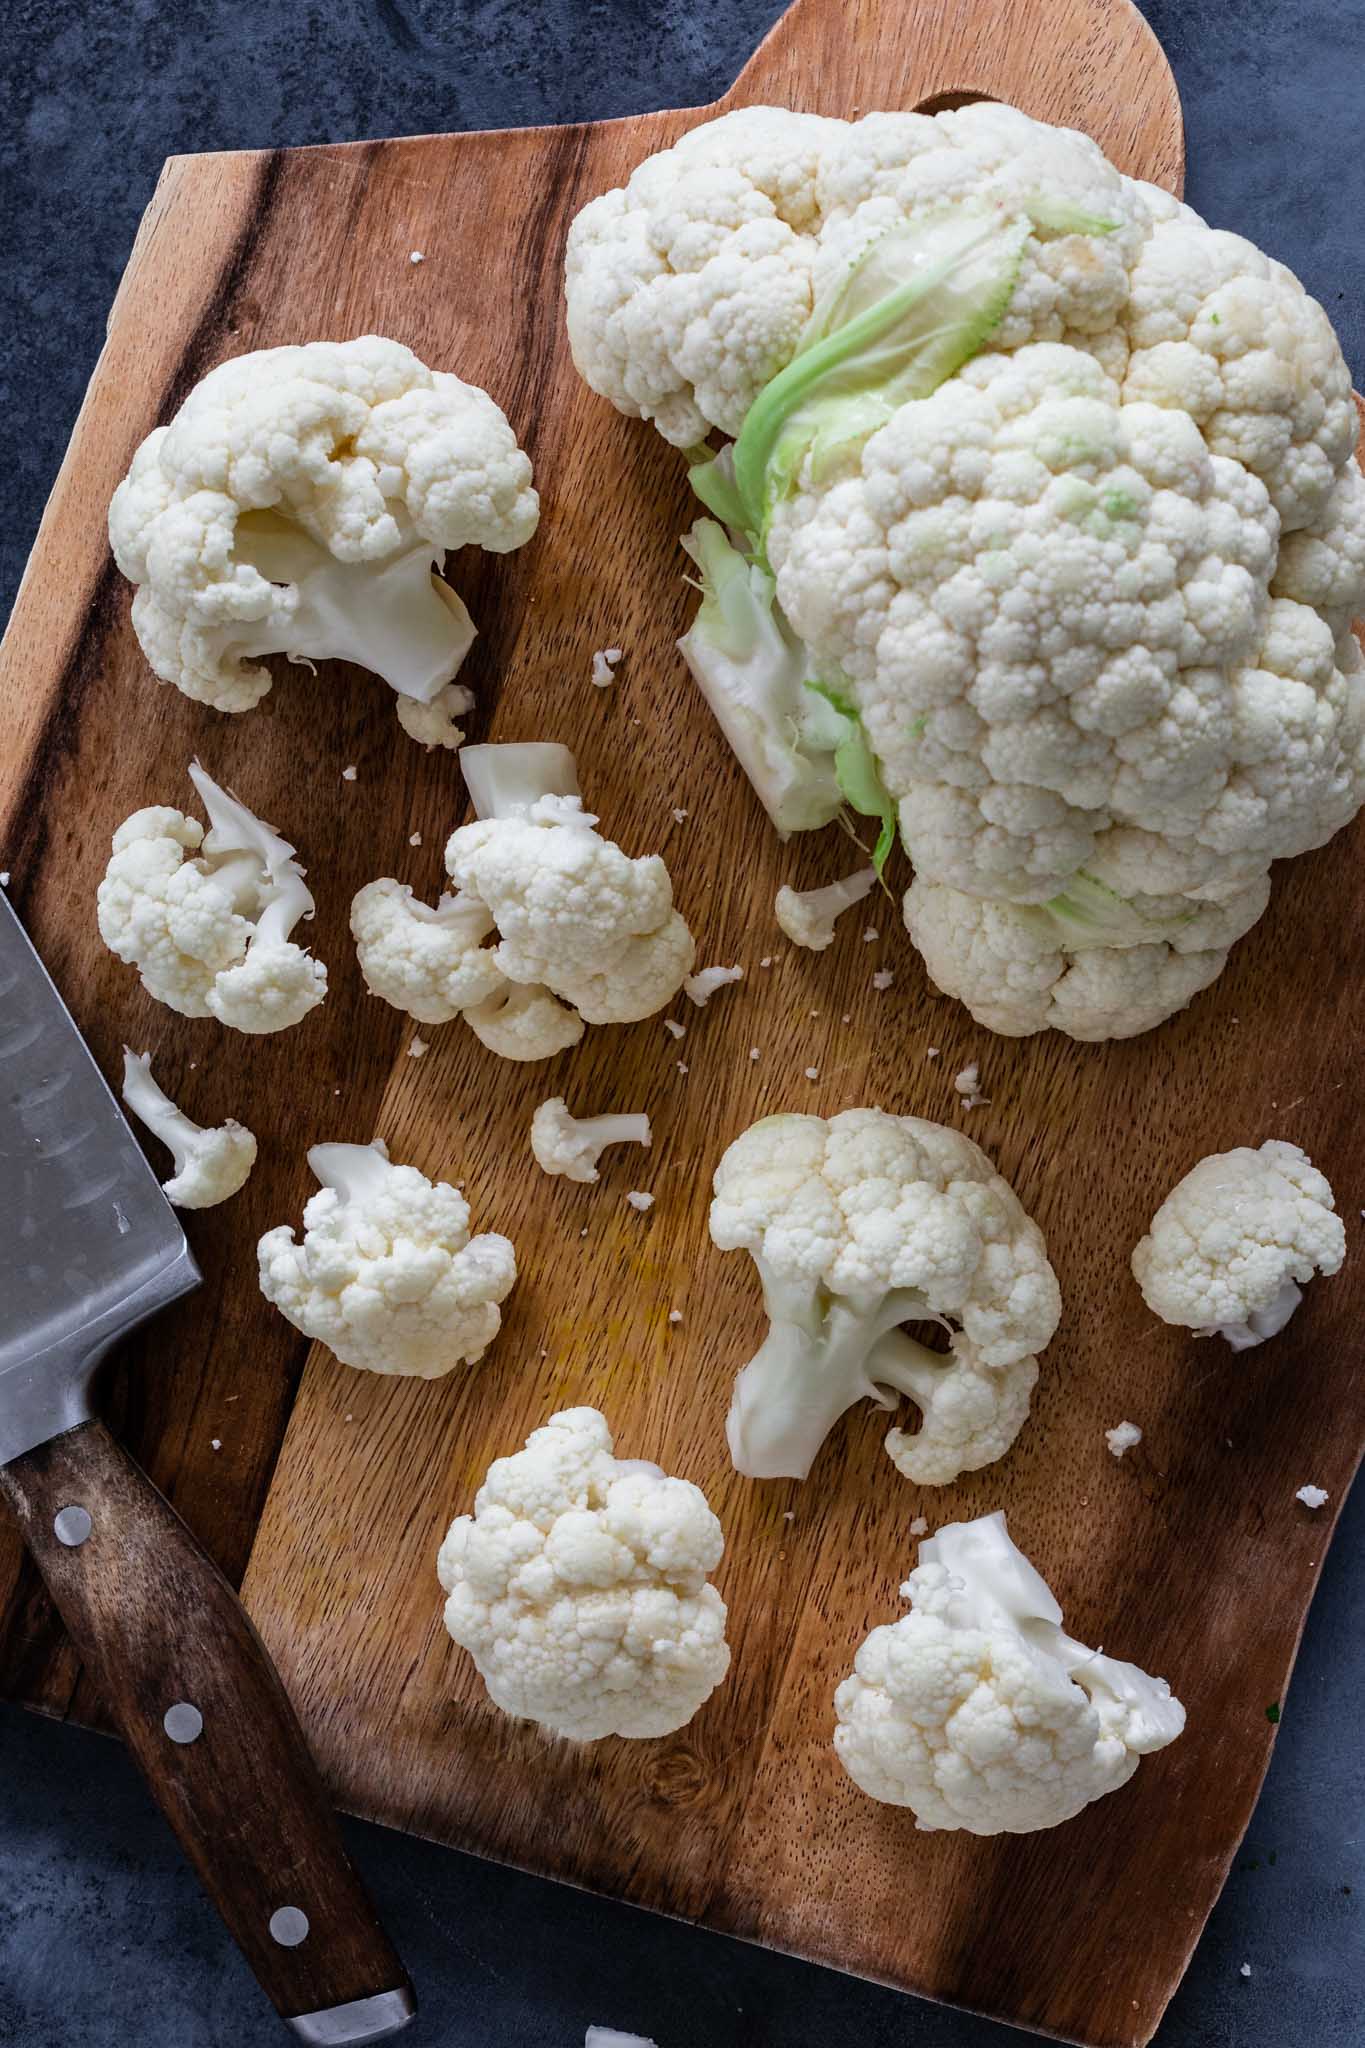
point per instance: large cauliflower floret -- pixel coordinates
(1231, 1243)
(210, 935)
(387, 1275)
(1044, 532)
(858, 1225)
(299, 503)
(579, 1587)
(978, 1712)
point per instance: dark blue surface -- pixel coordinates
(104, 1940)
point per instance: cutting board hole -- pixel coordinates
(948, 102)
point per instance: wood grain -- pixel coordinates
(1191, 1556)
(164, 1631)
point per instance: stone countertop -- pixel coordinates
(105, 1941)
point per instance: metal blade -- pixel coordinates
(89, 1245)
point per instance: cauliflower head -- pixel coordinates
(387, 1275)
(579, 1587)
(1046, 487)
(206, 917)
(978, 1712)
(1231, 1244)
(300, 503)
(858, 1225)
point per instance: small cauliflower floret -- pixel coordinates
(210, 935)
(433, 964)
(808, 916)
(570, 1145)
(300, 503)
(858, 1225)
(977, 1711)
(211, 1164)
(579, 1587)
(576, 918)
(387, 1275)
(701, 987)
(1232, 1242)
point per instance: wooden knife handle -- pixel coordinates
(203, 1711)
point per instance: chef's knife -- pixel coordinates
(89, 1248)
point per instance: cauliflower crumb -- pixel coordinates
(932, 1053)
(677, 1030)
(349, 774)
(968, 1086)
(215, 1443)
(870, 935)
(417, 1048)
(4, 878)
(812, 1073)
(417, 257)
(639, 1201)
(604, 665)
(755, 1052)
(767, 961)
(703, 985)
(919, 1527)
(1312, 1496)
(1124, 1437)
(1245, 1970)
(675, 1315)
(682, 1066)
(679, 817)
(883, 978)
(414, 839)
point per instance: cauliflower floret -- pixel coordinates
(387, 1275)
(299, 503)
(436, 724)
(978, 1712)
(579, 1587)
(524, 1023)
(574, 914)
(1230, 1244)
(433, 964)
(210, 935)
(210, 1165)
(858, 1225)
(573, 1145)
(808, 916)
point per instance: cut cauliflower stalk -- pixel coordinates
(206, 917)
(210, 1165)
(580, 932)
(300, 503)
(858, 1225)
(977, 1711)
(808, 916)
(1231, 1244)
(579, 1587)
(387, 1275)
(572, 1146)
(1038, 530)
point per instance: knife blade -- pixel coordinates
(90, 1248)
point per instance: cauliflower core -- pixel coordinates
(858, 1225)
(1045, 488)
(299, 503)
(210, 1165)
(1231, 1243)
(209, 934)
(579, 1587)
(977, 1711)
(387, 1275)
(583, 933)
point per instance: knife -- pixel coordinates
(90, 1248)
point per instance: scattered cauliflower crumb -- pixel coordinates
(608, 2037)
(215, 1443)
(919, 1527)
(700, 987)
(808, 916)
(883, 978)
(571, 1146)
(675, 1029)
(349, 774)
(870, 935)
(675, 1315)
(679, 817)
(604, 665)
(210, 1165)
(682, 1066)
(417, 1048)
(4, 878)
(767, 961)
(1245, 1970)
(755, 1052)
(1312, 1496)
(417, 257)
(639, 1201)
(812, 1073)
(932, 1053)
(1124, 1437)
(968, 1086)
(414, 839)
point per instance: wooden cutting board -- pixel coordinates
(329, 1489)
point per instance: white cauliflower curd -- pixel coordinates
(1040, 532)
(206, 917)
(1231, 1244)
(579, 1587)
(581, 932)
(387, 1275)
(858, 1225)
(210, 1165)
(978, 1712)
(300, 503)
